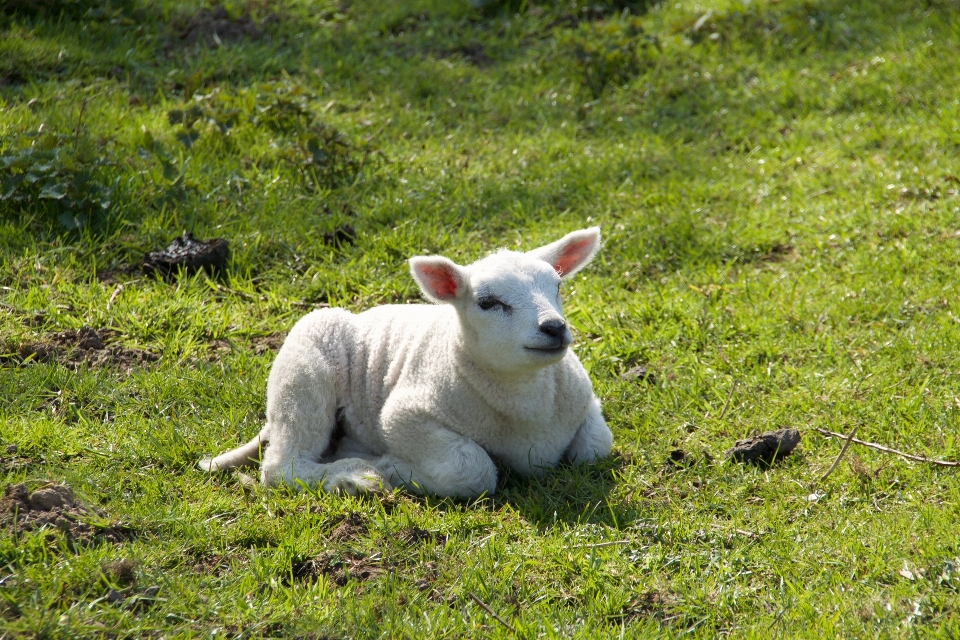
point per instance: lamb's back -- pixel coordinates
(392, 343)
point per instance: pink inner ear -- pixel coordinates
(573, 254)
(440, 280)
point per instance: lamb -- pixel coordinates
(427, 396)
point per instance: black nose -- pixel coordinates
(553, 328)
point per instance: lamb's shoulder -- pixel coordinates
(527, 424)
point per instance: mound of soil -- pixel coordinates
(83, 347)
(338, 569)
(765, 448)
(350, 528)
(188, 254)
(214, 27)
(55, 505)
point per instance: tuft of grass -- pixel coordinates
(777, 188)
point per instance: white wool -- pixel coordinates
(428, 395)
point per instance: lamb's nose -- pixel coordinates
(553, 328)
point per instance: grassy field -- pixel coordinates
(777, 185)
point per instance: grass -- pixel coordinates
(777, 187)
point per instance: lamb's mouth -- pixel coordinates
(550, 351)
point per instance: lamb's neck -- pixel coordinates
(522, 395)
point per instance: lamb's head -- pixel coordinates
(509, 302)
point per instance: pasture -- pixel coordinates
(777, 187)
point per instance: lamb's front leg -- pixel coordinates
(428, 458)
(593, 439)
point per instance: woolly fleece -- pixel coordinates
(422, 396)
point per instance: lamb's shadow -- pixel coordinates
(568, 494)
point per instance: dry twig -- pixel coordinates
(486, 607)
(843, 451)
(726, 405)
(880, 447)
(597, 545)
(113, 296)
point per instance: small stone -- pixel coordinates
(12, 448)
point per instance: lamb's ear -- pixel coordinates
(440, 279)
(570, 253)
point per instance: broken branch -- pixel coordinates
(880, 447)
(485, 607)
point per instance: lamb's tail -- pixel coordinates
(242, 456)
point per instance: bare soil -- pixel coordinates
(350, 528)
(338, 569)
(84, 347)
(214, 27)
(56, 505)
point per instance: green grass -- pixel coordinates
(777, 187)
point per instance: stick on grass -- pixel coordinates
(880, 447)
(486, 607)
(843, 451)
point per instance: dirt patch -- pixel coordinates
(13, 461)
(122, 572)
(272, 342)
(412, 536)
(653, 604)
(338, 569)
(765, 448)
(132, 600)
(345, 234)
(475, 54)
(84, 347)
(641, 373)
(214, 28)
(120, 273)
(188, 254)
(779, 253)
(349, 529)
(680, 459)
(55, 505)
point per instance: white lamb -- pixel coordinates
(424, 396)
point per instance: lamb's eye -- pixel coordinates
(489, 302)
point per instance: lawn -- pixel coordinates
(777, 187)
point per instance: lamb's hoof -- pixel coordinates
(357, 482)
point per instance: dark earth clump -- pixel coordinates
(680, 459)
(338, 569)
(84, 346)
(765, 448)
(188, 254)
(342, 235)
(214, 27)
(55, 505)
